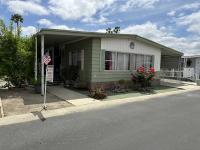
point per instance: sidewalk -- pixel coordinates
(103, 104)
(73, 97)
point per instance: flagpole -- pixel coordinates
(45, 91)
(46, 60)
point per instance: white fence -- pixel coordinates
(180, 75)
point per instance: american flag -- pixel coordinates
(46, 59)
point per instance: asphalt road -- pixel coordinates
(170, 123)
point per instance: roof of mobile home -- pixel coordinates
(61, 36)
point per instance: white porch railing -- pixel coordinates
(179, 75)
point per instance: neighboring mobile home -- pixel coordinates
(93, 58)
(191, 67)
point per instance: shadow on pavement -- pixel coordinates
(39, 115)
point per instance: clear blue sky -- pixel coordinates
(174, 23)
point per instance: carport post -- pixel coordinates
(42, 65)
(36, 57)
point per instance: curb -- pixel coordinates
(65, 111)
(1, 107)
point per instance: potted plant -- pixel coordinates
(37, 86)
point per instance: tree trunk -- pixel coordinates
(18, 32)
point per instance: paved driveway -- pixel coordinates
(20, 101)
(169, 123)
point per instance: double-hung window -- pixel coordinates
(148, 61)
(127, 61)
(139, 60)
(110, 60)
(76, 58)
(116, 61)
(123, 61)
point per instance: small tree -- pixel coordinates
(16, 56)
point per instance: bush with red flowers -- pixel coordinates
(143, 77)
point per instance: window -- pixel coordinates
(126, 61)
(148, 61)
(141, 60)
(122, 61)
(70, 58)
(109, 60)
(116, 61)
(76, 58)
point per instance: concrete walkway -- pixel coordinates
(71, 96)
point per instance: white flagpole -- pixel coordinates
(45, 91)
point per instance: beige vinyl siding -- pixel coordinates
(94, 61)
(123, 45)
(99, 74)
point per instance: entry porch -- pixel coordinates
(68, 53)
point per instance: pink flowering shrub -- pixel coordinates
(143, 77)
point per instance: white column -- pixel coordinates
(36, 58)
(185, 62)
(42, 65)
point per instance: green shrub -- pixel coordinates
(16, 56)
(98, 93)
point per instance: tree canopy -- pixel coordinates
(16, 55)
(111, 31)
(17, 18)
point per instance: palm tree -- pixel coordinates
(116, 29)
(17, 18)
(109, 31)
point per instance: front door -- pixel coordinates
(57, 62)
